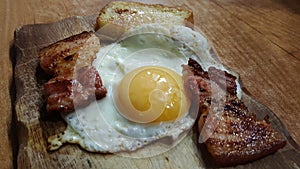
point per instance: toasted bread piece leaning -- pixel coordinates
(132, 14)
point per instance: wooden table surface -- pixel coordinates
(258, 39)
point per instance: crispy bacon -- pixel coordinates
(222, 78)
(67, 93)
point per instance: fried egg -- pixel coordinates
(146, 100)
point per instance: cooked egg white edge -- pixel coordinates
(102, 137)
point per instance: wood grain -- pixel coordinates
(258, 39)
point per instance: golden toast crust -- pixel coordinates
(131, 14)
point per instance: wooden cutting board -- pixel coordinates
(34, 126)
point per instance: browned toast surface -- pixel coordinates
(63, 56)
(237, 136)
(75, 82)
(132, 14)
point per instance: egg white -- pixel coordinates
(99, 127)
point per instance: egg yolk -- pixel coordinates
(151, 94)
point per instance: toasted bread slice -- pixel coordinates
(237, 136)
(132, 14)
(62, 57)
(75, 82)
